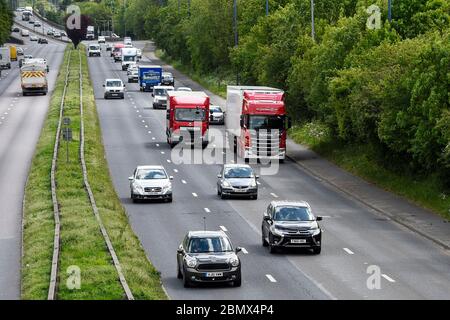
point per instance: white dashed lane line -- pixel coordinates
(223, 229)
(207, 210)
(348, 251)
(194, 195)
(271, 278)
(244, 251)
(273, 195)
(388, 278)
(183, 181)
(169, 161)
(176, 170)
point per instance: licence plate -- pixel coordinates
(214, 274)
(240, 190)
(298, 241)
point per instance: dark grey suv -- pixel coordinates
(208, 256)
(291, 224)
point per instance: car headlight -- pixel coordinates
(138, 188)
(226, 184)
(315, 232)
(167, 188)
(234, 261)
(277, 231)
(190, 262)
(253, 184)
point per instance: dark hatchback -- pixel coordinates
(208, 257)
(167, 79)
(289, 224)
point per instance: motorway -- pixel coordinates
(355, 239)
(21, 120)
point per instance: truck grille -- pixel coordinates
(265, 142)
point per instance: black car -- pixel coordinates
(237, 180)
(15, 29)
(167, 79)
(43, 40)
(208, 256)
(288, 224)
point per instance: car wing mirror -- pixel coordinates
(171, 178)
(219, 176)
(153, 95)
(266, 217)
(319, 218)
(131, 178)
(103, 85)
(180, 250)
(238, 249)
(257, 177)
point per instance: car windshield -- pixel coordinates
(238, 172)
(209, 245)
(114, 83)
(94, 47)
(291, 213)
(189, 114)
(266, 122)
(151, 174)
(167, 75)
(160, 92)
(215, 109)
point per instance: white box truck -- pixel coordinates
(34, 78)
(129, 55)
(5, 58)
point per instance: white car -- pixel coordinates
(184, 89)
(94, 50)
(101, 39)
(133, 75)
(33, 38)
(139, 53)
(57, 34)
(25, 33)
(160, 96)
(114, 88)
(37, 24)
(150, 182)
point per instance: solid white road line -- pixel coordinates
(207, 210)
(273, 195)
(223, 229)
(271, 278)
(387, 278)
(194, 194)
(244, 251)
(348, 251)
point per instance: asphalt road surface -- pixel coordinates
(21, 120)
(356, 239)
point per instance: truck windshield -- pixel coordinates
(189, 114)
(266, 122)
(128, 58)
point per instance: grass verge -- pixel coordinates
(361, 160)
(82, 244)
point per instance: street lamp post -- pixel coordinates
(236, 36)
(313, 31)
(267, 7)
(389, 10)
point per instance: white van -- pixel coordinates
(94, 50)
(5, 58)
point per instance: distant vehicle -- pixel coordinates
(109, 47)
(208, 256)
(42, 41)
(101, 39)
(216, 115)
(127, 41)
(113, 88)
(26, 15)
(129, 55)
(31, 22)
(291, 224)
(160, 96)
(167, 79)
(117, 52)
(184, 89)
(29, 9)
(90, 33)
(133, 74)
(15, 29)
(13, 53)
(33, 38)
(256, 121)
(50, 32)
(149, 76)
(237, 180)
(20, 51)
(5, 58)
(94, 50)
(37, 24)
(25, 57)
(34, 78)
(151, 182)
(20, 9)
(139, 53)
(63, 34)
(25, 33)
(57, 34)
(41, 61)
(187, 118)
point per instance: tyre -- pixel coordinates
(170, 199)
(263, 241)
(218, 192)
(186, 282)
(222, 196)
(179, 274)
(272, 249)
(255, 197)
(106, 96)
(237, 282)
(317, 250)
(204, 145)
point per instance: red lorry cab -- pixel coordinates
(187, 117)
(256, 122)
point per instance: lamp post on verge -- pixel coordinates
(236, 36)
(313, 31)
(267, 7)
(389, 10)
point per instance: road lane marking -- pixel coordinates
(271, 278)
(162, 152)
(175, 170)
(194, 194)
(348, 251)
(169, 161)
(183, 182)
(273, 195)
(244, 251)
(223, 229)
(207, 210)
(388, 278)
(157, 144)
(153, 138)
(149, 132)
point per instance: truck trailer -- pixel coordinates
(187, 118)
(149, 76)
(129, 55)
(256, 122)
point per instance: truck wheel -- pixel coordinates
(204, 145)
